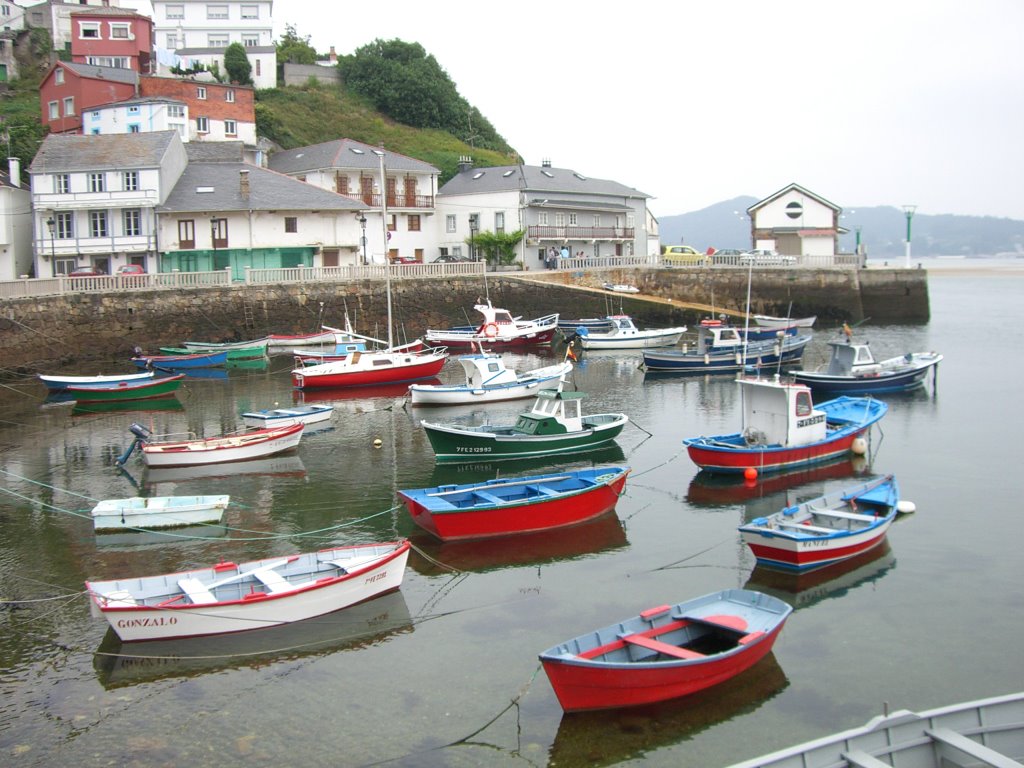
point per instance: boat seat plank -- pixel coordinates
(660, 647)
(749, 638)
(354, 563)
(490, 498)
(988, 756)
(196, 591)
(846, 515)
(807, 528)
(274, 581)
(858, 758)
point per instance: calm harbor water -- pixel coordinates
(445, 672)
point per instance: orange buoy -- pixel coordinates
(750, 473)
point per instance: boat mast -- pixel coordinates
(384, 224)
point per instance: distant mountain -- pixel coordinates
(882, 229)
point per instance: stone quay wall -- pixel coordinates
(49, 332)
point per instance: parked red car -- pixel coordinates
(131, 269)
(86, 272)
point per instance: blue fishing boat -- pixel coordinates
(180, 362)
(853, 370)
(723, 349)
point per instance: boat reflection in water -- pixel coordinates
(609, 737)
(276, 466)
(708, 488)
(602, 534)
(114, 406)
(338, 394)
(371, 623)
(804, 589)
(479, 471)
(131, 538)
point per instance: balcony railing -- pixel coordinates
(539, 232)
(399, 201)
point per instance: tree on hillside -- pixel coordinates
(236, 62)
(408, 85)
(498, 248)
(294, 49)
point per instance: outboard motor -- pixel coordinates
(139, 431)
(141, 435)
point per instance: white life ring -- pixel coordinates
(491, 330)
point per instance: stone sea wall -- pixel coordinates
(41, 333)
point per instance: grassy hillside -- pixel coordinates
(299, 116)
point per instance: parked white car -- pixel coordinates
(764, 258)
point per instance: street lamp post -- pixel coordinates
(473, 223)
(908, 210)
(213, 231)
(53, 250)
(362, 223)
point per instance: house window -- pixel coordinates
(597, 219)
(117, 62)
(449, 223)
(230, 128)
(573, 221)
(172, 42)
(133, 110)
(119, 32)
(499, 222)
(200, 92)
(559, 219)
(131, 181)
(179, 127)
(54, 107)
(69, 106)
(64, 226)
(175, 11)
(392, 223)
(97, 182)
(175, 110)
(291, 223)
(341, 184)
(58, 76)
(133, 128)
(250, 41)
(414, 222)
(217, 41)
(250, 11)
(229, 96)
(186, 233)
(89, 30)
(216, 11)
(97, 223)
(542, 219)
(62, 183)
(259, 70)
(203, 124)
(94, 116)
(630, 221)
(132, 222)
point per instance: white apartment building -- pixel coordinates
(197, 31)
(141, 115)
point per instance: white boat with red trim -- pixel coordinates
(488, 380)
(824, 530)
(498, 329)
(362, 368)
(242, 446)
(237, 597)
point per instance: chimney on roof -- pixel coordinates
(465, 163)
(545, 163)
(14, 171)
(243, 184)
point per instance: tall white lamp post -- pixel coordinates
(384, 222)
(909, 211)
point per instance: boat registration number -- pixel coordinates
(811, 420)
(472, 449)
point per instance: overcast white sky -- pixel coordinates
(864, 102)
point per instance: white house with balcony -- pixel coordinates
(796, 222)
(226, 214)
(94, 199)
(356, 170)
(554, 207)
(191, 32)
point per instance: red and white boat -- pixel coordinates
(237, 597)
(666, 652)
(498, 330)
(783, 428)
(506, 505)
(825, 530)
(213, 450)
(362, 368)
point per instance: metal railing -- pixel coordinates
(50, 286)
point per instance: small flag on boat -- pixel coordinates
(570, 354)
(848, 331)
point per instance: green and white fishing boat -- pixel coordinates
(554, 425)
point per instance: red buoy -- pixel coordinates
(750, 473)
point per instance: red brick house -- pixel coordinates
(70, 88)
(112, 37)
(217, 112)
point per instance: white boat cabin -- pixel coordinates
(553, 412)
(496, 321)
(718, 338)
(780, 413)
(849, 358)
(486, 370)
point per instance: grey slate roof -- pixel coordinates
(115, 74)
(343, 153)
(268, 191)
(138, 100)
(536, 181)
(63, 153)
(214, 151)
